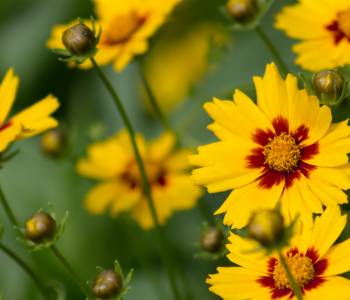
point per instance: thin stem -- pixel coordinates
(144, 178)
(8, 209)
(295, 287)
(70, 270)
(157, 109)
(272, 49)
(27, 269)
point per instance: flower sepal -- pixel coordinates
(241, 21)
(212, 243)
(80, 42)
(42, 230)
(111, 284)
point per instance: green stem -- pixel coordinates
(70, 270)
(27, 269)
(156, 107)
(8, 209)
(144, 178)
(295, 287)
(272, 49)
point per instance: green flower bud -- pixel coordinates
(79, 39)
(108, 284)
(328, 85)
(41, 226)
(212, 240)
(53, 142)
(266, 227)
(242, 11)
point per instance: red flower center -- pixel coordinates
(306, 269)
(281, 154)
(341, 26)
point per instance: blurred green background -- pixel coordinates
(31, 180)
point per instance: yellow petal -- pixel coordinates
(235, 283)
(334, 287)
(8, 90)
(327, 229)
(338, 259)
(242, 202)
(241, 253)
(8, 135)
(100, 197)
(160, 148)
(37, 118)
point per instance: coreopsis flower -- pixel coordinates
(120, 190)
(126, 27)
(324, 30)
(282, 150)
(315, 263)
(27, 123)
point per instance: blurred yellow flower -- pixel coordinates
(126, 27)
(284, 150)
(112, 162)
(324, 30)
(186, 61)
(27, 123)
(316, 265)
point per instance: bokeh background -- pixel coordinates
(193, 58)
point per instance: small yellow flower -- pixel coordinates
(27, 123)
(324, 30)
(283, 150)
(313, 260)
(112, 162)
(126, 27)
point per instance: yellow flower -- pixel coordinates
(324, 30)
(172, 84)
(314, 262)
(27, 123)
(112, 162)
(282, 149)
(126, 27)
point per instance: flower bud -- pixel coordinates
(266, 227)
(40, 226)
(107, 284)
(328, 85)
(212, 240)
(79, 39)
(242, 11)
(53, 142)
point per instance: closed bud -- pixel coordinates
(53, 142)
(266, 227)
(40, 227)
(242, 11)
(212, 240)
(79, 39)
(328, 85)
(108, 284)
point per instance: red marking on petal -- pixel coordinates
(300, 134)
(280, 124)
(271, 178)
(256, 159)
(262, 137)
(338, 34)
(310, 151)
(7, 125)
(314, 283)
